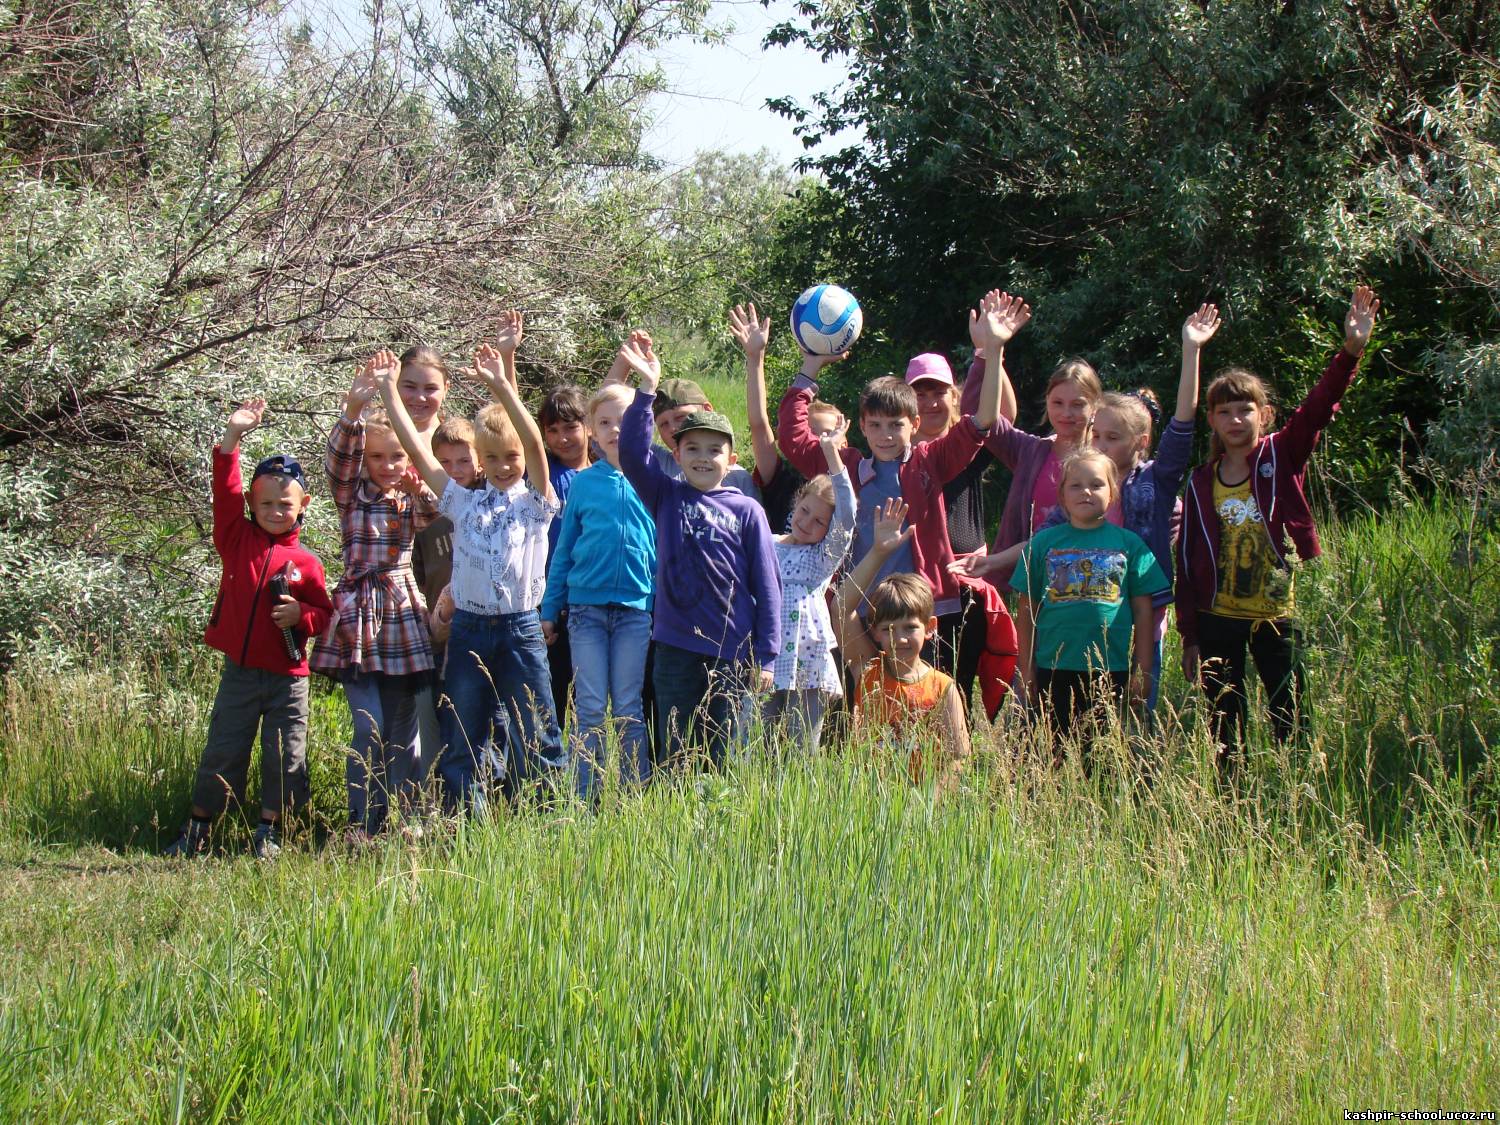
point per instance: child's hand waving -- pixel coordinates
(888, 535)
(366, 384)
(997, 319)
(1199, 328)
(640, 357)
(1360, 320)
(750, 332)
(511, 332)
(247, 416)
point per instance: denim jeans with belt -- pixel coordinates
(498, 659)
(609, 668)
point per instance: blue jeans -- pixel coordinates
(384, 758)
(609, 667)
(499, 659)
(698, 702)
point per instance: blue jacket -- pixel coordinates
(606, 548)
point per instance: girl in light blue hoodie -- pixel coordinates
(602, 570)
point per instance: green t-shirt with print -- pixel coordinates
(1080, 583)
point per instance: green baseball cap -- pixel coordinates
(672, 393)
(710, 420)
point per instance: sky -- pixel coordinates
(718, 91)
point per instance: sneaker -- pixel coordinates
(191, 844)
(266, 843)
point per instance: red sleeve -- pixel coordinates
(229, 499)
(795, 437)
(1295, 440)
(312, 592)
(951, 454)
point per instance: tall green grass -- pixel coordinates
(807, 940)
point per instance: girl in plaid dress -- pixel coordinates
(377, 644)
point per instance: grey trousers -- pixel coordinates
(250, 699)
(795, 718)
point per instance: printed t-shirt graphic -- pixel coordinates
(1080, 582)
(1252, 583)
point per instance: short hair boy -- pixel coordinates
(896, 467)
(263, 683)
(718, 589)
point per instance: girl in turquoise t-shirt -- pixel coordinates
(1085, 591)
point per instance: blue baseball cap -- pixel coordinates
(281, 465)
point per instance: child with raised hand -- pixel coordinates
(602, 572)
(495, 645)
(377, 644)
(718, 608)
(1072, 395)
(806, 677)
(1148, 503)
(263, 682)
(897, 467)
(1245, 517)
(1084, 611)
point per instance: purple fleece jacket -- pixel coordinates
(718, 588)
(1277, 469)
(1024, 455)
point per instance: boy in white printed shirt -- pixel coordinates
(495, 645)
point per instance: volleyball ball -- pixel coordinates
(826, 320)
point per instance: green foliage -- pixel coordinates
(1120, 163)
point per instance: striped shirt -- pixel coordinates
(379, 618)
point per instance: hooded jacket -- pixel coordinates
(1278, 466)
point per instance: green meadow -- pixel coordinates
(805, 940)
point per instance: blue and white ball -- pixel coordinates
(826, 320)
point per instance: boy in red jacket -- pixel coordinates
(264, 680)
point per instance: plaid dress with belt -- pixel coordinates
(379, 618)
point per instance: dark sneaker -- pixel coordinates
(266, 843)
(192, 844)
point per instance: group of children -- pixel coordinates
(499, 571)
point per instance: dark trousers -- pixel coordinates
(698, 701)
(251, 699)
(1276, 648)
(560, 664)
(1070, 698)
(960, 643)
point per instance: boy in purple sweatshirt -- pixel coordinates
(718, 590)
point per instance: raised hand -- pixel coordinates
(384, 367)
(490, 363)
(888, 535)
(247, 416)
(1199, 328)
(1359, 322)
(366, 385)
(998, 318)
(750, 332)
(640, 357)
(511, 332)
(834, 439)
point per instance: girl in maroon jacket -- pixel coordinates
(1245, 518)
(260, 631)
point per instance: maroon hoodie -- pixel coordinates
(1277, 468)
(241, 625)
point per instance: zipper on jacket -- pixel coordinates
(254, 601)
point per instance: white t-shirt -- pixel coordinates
(499, 547)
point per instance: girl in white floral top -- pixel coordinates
(805, 675)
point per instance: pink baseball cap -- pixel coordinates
(929, 365)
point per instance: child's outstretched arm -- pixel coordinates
(1299, 435)
(636, 462)
(507, 340)
(1197, 331)
(228, 484)
(1009, 315)
(386, 369)
(495, 369)
(753, 334)
(346, 444)
(855, 645)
